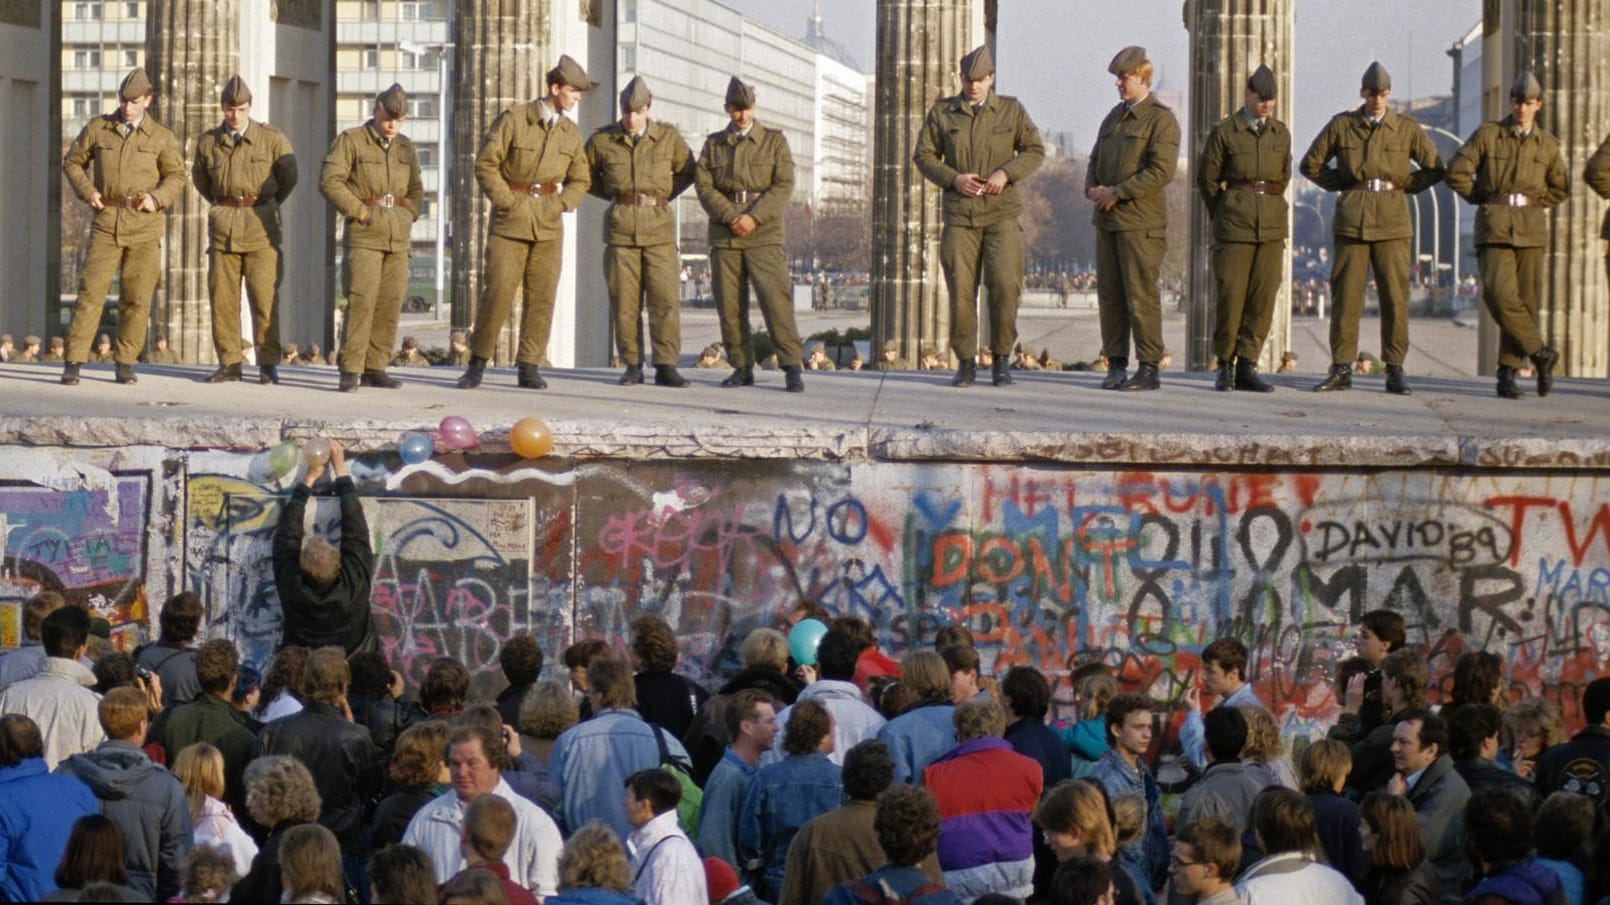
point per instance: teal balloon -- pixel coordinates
(282, 459)
(803, 640)
(416, 448)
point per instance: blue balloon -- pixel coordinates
(416, 448)
(803, 640)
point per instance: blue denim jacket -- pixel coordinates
(782, 798)
(723, 799)
(917, 738)
(1118, 778)
(592, 759)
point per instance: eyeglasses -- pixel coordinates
(1175, 861)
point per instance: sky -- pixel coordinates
(1066, 88)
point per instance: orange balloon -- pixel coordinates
(531, 438)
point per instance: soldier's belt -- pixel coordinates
(389, 201)
(131, 202)
(1513, 199)
(1374, 185)
(640, 200)
(744, 196)
(1261, 187)
(535, 188)
(241, 201)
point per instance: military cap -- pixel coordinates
(740, 96)
(57, 342)
(569, 72)
(394, 101)
(135, 85)
(1376, 79)
(5, 338)
(891, 345)
(636, 96)
(235, 92)
(410, 343)
(30, 340)
(1526, 87)
(978, 63)
(1127, 60)
(1262, 83)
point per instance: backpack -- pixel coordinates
(687, 810)
(883, 894)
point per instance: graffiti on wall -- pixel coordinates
(89, 544)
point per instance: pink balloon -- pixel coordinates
(456, 433)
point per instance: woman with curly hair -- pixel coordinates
(665, 698)
(200, 771)
(279, 795)
(593, 870)
(1264, 754)
(419, 774)
(282, 687)
(208, 873)
(1531, 727)
(547, 710)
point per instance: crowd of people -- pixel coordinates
(176, 773)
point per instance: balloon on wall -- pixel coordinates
(283, 458)
(316, 451)
(416, 447)
(455, 433)
(531, 438)
(803, 640)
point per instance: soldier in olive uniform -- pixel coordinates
(245, 170)
(1242, 175)
(978, 146)
(745, 178)
(1514, 171)
(1365, 155)
(1136, 150)
(371, 176)
(533, 169)
(128, 167)
(639, 166)
(1597, 175)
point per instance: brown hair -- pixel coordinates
(1096, 691)
(582, 652)
(327, 677)
(1387, 626)
(926, 676)
(1079, 806)
(1408, 670)
(489, 824)
(401, 874)
(745, 706)
(284, 674)
(445, 687)
(181, 618)
(310, 862)
(1263, 735)
(1323, 764)
(217, 662)
(1227, 654)
(20, 739)
(417, 760)
(1214, 842)
(94, 854)
(653, 644)
(907, 824)
(808, 723)
(1129, 817)
(548, 710)
(978, 718)
(37, 608)
(610, 684)
(122, 711)
(1391, 818)
(1284, 821)
(320, 561)
(209, 871)
(593, 858)
(283, 788)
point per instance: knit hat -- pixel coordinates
(720, 878)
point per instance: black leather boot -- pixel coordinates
(69, 375)
(224, 374)
(374, 378)
(668, 376)
(793, 381)
(1246, 377)
(998, 372)
(528, 377)
(1506, 383)
(632, 376)
(1395, 384)
(125, 374)
(1226, 379)
(740, 377)
(1145, 378)
(1544, 360)
(1339, 378)
(267, 374)
(349, 381)
(1117, 373)
(473, 373)
(966, 373)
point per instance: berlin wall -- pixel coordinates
(1045, 564)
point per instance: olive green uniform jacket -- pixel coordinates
(1597, 175)
(521, 147)
(1235, 153)
(999, 136)
(1494, 162)
(759, 162)
(262, 166)
(659, 164)
(1362, 151)
(359, 168)
(148, 160)
(1136, 151)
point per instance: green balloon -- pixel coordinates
(283, 458)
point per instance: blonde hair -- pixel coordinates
(1129, 817)
(122, 711)
(310, 862)
(978, 718)
(1263, 736)
(1095, 693)
(200, 771)
(1533, 713)
(283, 788)
(1079, 806)
(1323, 764)
(1144, 73)
(593, 857)
(548, 709)
(765, 648)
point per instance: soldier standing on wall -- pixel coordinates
(978, 146)
(1242, 176)
(128, 167)
(1365, 155)
(245, 170)
(1513, 169)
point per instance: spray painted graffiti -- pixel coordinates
(88, 544)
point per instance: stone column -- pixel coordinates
(1567, 43)
(919, 44)
(192, 47)
(499, 58)
(1229, 39)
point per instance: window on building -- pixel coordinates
(86, 59)
(131, 10)
(371, 58)
(417, 10)
(88, 11)
(628, 10)
(427, 155)
(424, 107)
(369, 11)
(628, 59)
(131, 59)
(427, 61)
(84, 107)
